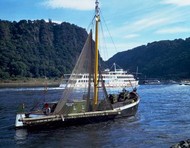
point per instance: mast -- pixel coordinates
(114, 65)
(97, 17)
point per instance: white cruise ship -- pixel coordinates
(115, 78)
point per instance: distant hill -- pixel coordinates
(163, 59)
(38, 48)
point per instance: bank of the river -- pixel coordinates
(30, 82)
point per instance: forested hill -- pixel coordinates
(163, 59)
(38, 48)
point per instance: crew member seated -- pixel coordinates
(123, 95)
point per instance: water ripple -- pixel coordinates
(162, 120)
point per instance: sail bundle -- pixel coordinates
(80, 86)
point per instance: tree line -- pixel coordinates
(163, 59)
(38, 48)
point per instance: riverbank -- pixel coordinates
(30, 82)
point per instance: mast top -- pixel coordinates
(97, 9)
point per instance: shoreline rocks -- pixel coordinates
(182, 144)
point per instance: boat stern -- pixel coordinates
(18, 122)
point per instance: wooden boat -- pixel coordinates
(89, 105)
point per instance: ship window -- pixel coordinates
(122, 77)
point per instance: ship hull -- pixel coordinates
(107, 85)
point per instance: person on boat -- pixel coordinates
(124, 90)
(135, 89)
(46, 108)
(123, 95)
(111, 98)
(53, 107)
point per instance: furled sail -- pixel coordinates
(83, 68)
(83, 71)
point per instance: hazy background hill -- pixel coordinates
(163, 59)
(38, 48)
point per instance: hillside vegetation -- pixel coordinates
(37, 48)
(163, 59)
(34, 49)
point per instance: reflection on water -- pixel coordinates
(162, 120)
(21, 134)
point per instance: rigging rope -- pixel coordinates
(103, 37)
(90, 26)
(109, 32)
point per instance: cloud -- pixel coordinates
(57, 22)
(131, 36)
(177, 2)
(71, 4)
(173, 30)
(149, 22)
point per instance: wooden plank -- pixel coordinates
(41, 118)
(92, 114)
(70, 116)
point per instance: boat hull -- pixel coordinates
(107, 85)
(70, 122)
(128, 112)
(64, 121)
(55, 121)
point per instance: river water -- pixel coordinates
(163, 119)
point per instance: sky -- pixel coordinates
(126, 23)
